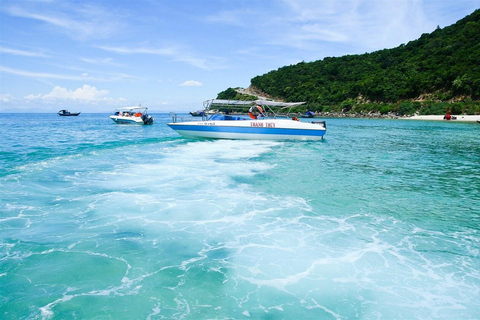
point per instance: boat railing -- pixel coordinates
(176, 118)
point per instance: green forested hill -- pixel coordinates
(420, 76)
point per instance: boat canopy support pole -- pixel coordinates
(174, 117)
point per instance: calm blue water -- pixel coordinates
(100, 220)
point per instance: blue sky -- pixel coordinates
(94, 56)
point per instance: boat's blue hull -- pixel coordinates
(122, 121)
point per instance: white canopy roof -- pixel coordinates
(130, 108)
(221, 102)
(229, 102)
(277, 104)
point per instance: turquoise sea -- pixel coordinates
(381, 220)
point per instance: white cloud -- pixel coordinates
(232, 17)
(6, 97)
(213, 63)
(354, 26)
(320, 32)
(81, 77)
(191, 83)
(77, 20)
(85, 93)
(210, 63)
(125, 50)
(30, 74)
(101, 62)
(363, 24)
(24, 53)
(33, 97)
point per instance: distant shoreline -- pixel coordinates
(459, 118)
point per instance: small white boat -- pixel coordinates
(261, 123)
(135, 115)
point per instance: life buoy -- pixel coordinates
(255, 109)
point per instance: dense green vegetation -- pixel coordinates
(439, 70)
(233, 94)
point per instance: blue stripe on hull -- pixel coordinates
(124, 121)
(248, 130)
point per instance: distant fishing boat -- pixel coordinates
(198, 113)
(66, 113)
(259, 125)
(308, 114)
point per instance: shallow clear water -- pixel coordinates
(100, 220)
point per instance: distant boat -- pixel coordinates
(308, 114)
(138, 115)
(199, 113)
(66, 113)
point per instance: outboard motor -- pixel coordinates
(147, 119)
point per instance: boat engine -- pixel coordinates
(147, 119)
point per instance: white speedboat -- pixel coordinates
(134, 115)
(261, 122)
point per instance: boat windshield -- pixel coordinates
(226, 117)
